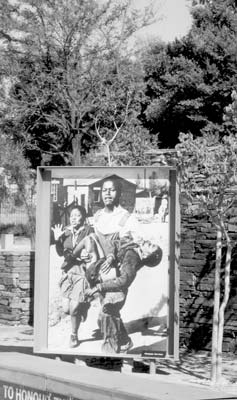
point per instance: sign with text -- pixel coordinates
(10, 391)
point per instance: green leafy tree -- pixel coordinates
(208, 166)
(189, 81)
(56, 56)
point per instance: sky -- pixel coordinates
(174, 19)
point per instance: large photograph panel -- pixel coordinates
(109, 262)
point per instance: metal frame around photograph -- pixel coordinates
(41, 289)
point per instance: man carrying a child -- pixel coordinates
(124, 254)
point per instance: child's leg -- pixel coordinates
(75, 317)
(75, 324)
(78, 308)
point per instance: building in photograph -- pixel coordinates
(87, 193)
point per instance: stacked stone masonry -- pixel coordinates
(16, 287)
(197, 264)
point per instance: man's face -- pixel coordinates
(76, 218)
(109, 193)
(147, 248)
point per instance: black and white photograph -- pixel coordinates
(108, 268)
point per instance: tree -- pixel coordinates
(189, 81)
(17, 170)
(208, 177)
(116, 115)
(58, 61)
(230, 115)
(129, 148)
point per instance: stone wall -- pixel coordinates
(198, 240)
(16, 287)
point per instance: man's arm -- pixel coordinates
(128, 271)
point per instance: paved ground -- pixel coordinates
(192, 370)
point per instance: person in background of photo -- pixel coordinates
(73, 281)
(131, 257)
(163, 210)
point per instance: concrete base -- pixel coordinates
(38, 378)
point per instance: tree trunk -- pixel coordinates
(76, 150)
(215, 322)
(223, 306)
(30, 213)
(108, 154)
